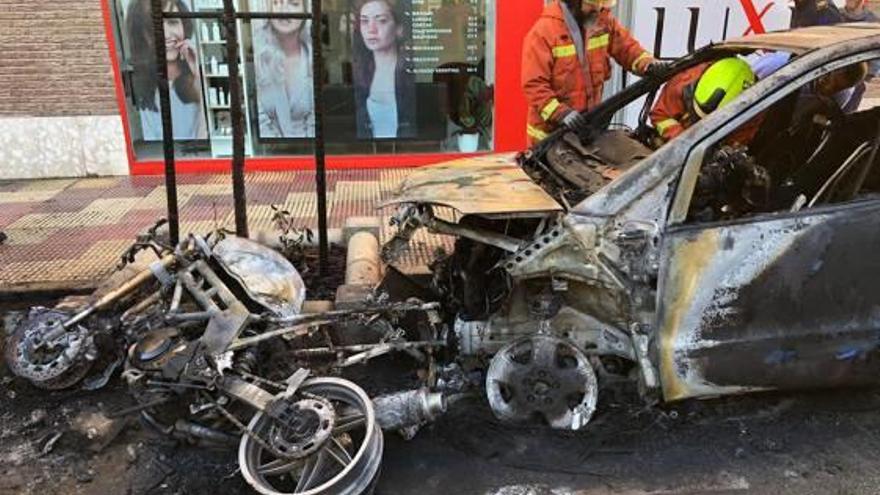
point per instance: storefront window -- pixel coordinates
(400, 76)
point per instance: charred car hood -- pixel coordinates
(486, 185)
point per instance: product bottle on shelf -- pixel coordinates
(215, 31)
(205, 33)
(214, 67)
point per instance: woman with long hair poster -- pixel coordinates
(184, 77)
(283, 65)
(385, 87)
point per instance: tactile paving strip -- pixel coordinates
(69, 234)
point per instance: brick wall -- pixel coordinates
(54, 60)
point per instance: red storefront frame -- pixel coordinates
(514, 18)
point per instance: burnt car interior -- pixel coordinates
(836, 161)
(571, 165)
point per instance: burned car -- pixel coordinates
(694, 267)
(691, 269)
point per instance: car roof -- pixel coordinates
(800, 41)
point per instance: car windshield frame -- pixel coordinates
(656, 169)
(685, 184)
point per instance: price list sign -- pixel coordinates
(408, 55)
(447, 36)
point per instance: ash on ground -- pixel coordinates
(826, 442)
(63, 442)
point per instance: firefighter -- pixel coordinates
(699, 91)
(566, 61)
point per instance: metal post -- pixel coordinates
(167, 131)
(236, 97)
(320, 172)
(235, 101)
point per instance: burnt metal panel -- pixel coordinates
(267, 277)
(483, 185)
(784, 302)
(806, 39)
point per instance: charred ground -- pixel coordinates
(825, 442)
(807, 443)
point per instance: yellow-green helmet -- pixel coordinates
(722, 83)
(607, 4)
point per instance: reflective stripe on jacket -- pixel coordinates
(670, 114)
(554, 80)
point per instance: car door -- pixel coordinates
(786, 300)
(783, 302)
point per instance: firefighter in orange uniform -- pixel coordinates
(566, 61)
(699, 91)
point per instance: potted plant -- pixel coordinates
(474, 115)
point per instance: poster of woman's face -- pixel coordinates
(184, 76)
(283, 70)
(385, 87)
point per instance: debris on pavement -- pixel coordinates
(50, 443)
(566, 305)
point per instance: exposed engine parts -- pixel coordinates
(408, 410)
(220, 347)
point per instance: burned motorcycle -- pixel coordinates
(200, 323)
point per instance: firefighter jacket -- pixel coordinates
(554, 79)
(673, 113)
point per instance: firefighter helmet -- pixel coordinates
(722, 83)
(602, 3)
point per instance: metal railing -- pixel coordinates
(229, 16)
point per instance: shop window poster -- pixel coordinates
(384, 80)
(283, 71)
(187, 110)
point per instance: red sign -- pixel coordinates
(756, 19)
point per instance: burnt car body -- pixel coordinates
(694, 269)
(590, 239)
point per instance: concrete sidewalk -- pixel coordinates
(69, 233)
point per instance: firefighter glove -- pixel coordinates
(656, 68)
(572, 120)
